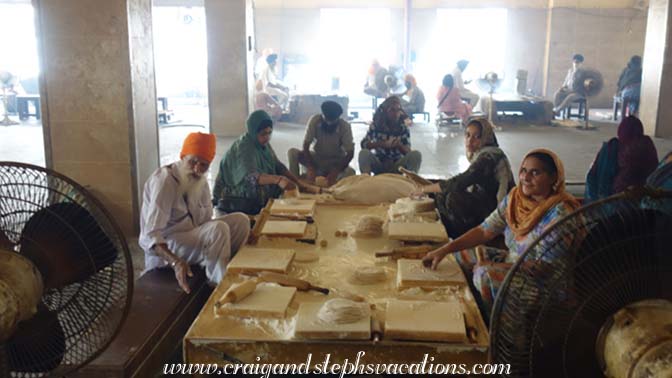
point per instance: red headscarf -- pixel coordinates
(637, 155)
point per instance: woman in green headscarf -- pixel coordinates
(250, 172)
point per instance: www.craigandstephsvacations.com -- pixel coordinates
(327, 367)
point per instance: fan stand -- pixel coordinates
(6, 121)
(492, 90)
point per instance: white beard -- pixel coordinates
(189, 185)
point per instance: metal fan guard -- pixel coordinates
(557, 296)
(90, 312)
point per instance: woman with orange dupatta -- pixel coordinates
(538, 201)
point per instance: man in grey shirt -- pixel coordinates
(333, 149)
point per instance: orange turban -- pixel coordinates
(200, 144)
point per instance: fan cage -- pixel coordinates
(565, 286)
(90, 312)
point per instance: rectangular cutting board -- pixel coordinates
(423, 320)
(261, 259)
(433, 232)
(309, 326)
(411, 273)
(293, 206)
(295, 229)
(267, 300)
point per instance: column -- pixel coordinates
(230, 64)
(655, 110)
(98, 98)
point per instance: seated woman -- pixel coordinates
(622, 162)
(530, 208)
(450, 101)
(465, 200)
(413, 100)
(630, 84)
(264, 101)
(250, 173)
(387, 144)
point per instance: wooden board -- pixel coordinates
(309, 326)
(267, 300)
(284, 228)
(411, 273)
(423, 320)
(433, 232)
(293, 206)
(261, 259)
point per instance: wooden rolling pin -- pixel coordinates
(414, 177)
(286, 280)
(412, 252)
(470, 322)
(259, 224)
(308, 218)
(236, 292)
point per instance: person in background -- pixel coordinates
(413, 100)
(375, 83)
(465, 94)
(465, 200)
(176, 225)
(624, 161)
(264, 101)
(334, 148)
(526, 212)
(566, 95)
(261, 63)
(250, 173)
(271, 84)
(387, 144)
(450, 101)
(630, 84)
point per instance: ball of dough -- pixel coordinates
(337, 233)
(343, 311)
(323, 243)
(344, 233)
(368, 275)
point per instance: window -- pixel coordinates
(478, 35)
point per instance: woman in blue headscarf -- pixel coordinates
(250, 173)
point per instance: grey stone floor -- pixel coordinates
(443, 154)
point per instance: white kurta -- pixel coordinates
(186, 226)
(464, 92)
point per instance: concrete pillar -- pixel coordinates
(98, 98)
(655, 110)
(230, 64)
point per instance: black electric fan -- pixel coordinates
(65, 274)
(592, 296)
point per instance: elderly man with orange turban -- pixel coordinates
(176, 224)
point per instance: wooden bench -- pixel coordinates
(159, 317)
